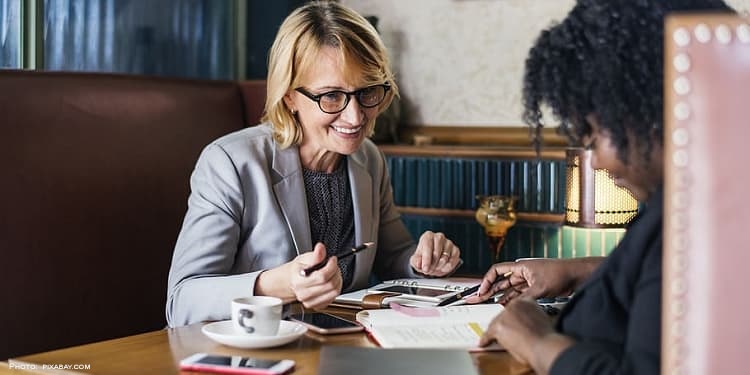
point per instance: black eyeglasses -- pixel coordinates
(336, 101)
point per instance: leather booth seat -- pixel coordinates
(95, 179)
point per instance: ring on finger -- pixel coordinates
(445, 254)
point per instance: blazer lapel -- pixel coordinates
(290, 196)
(360, 183)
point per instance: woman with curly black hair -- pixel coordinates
(600, 73)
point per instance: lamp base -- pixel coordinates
(495, 245)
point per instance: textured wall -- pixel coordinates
(460, 62)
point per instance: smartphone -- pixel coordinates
(326, 323)
(235, 364)
(425, 294)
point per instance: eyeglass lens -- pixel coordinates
(336, 101)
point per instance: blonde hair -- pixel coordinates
(301, 37)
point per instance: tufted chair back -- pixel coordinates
(707, 195)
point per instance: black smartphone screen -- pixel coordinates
(238, 361)
(323, 320)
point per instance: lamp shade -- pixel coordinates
(592, 199)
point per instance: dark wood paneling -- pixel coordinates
(483, 152)
(480, 135)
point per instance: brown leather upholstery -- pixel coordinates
(95, 178)
(252, 91)
(707, 214)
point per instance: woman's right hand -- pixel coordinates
(321, 287)
(288, 282)
(535, 278)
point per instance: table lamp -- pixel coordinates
(592, 200)
(596, 210)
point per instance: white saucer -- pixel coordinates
(223, 333)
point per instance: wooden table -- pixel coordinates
(159, 352)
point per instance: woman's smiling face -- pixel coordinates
(639, 176)
(324, 133)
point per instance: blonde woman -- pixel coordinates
(272, 200)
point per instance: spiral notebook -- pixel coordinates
(408, 292)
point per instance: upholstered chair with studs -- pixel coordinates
(707, 195)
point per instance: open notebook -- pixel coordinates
(457, 327)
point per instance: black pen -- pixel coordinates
(458, 296)
(308, 271)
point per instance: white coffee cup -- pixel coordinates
(257, 315)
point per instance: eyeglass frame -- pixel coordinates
(349, 94)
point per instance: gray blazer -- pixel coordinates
(247, 212)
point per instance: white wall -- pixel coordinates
(460, 62)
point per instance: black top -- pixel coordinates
(329, 203)
(615, 316)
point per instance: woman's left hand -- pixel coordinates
(436, 255)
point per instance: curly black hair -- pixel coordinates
(604, 58)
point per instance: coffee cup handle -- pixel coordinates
(245, 314)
